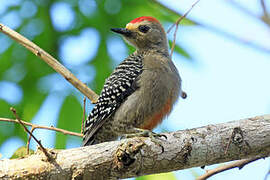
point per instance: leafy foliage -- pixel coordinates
(162, 176)
(21, 153)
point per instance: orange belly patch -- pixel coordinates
(153, 121)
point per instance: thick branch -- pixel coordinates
(139, 156)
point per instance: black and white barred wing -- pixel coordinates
(117, 88)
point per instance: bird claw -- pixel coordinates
(162, 135)
(146, 133)
(124, 136)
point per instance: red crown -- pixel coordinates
(144, 18)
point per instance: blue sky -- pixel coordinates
(226, 80)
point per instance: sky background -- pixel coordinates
(225, 81)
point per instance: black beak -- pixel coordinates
(122, 31)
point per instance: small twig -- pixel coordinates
(264, 8)
(30, 133)
(177, 23)
(265, 16)
(42, 127)
(28, 141)
(83, 117)
(237, 164)
(218, 31)
(182, 17)
(51, 61)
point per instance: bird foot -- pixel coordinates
(146, 133)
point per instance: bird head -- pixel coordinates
(144, 33)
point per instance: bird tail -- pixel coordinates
(89, 140)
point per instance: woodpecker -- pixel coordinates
(141, 90)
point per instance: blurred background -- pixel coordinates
(222, 54)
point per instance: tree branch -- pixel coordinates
(35, 126)
(237, 164)
(31, 135)
(139, 156)
(177, 23)
(51, 61)
(83, 117)
(265, 17)
(219, 31)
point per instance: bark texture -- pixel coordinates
(139, 156)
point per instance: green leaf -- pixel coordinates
(70, 119)
(102, 63)
(32, 103)
(6, 128)
(21, 153)
(162, 176)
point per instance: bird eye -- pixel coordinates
(144, 28)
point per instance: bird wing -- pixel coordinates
(117, 88)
